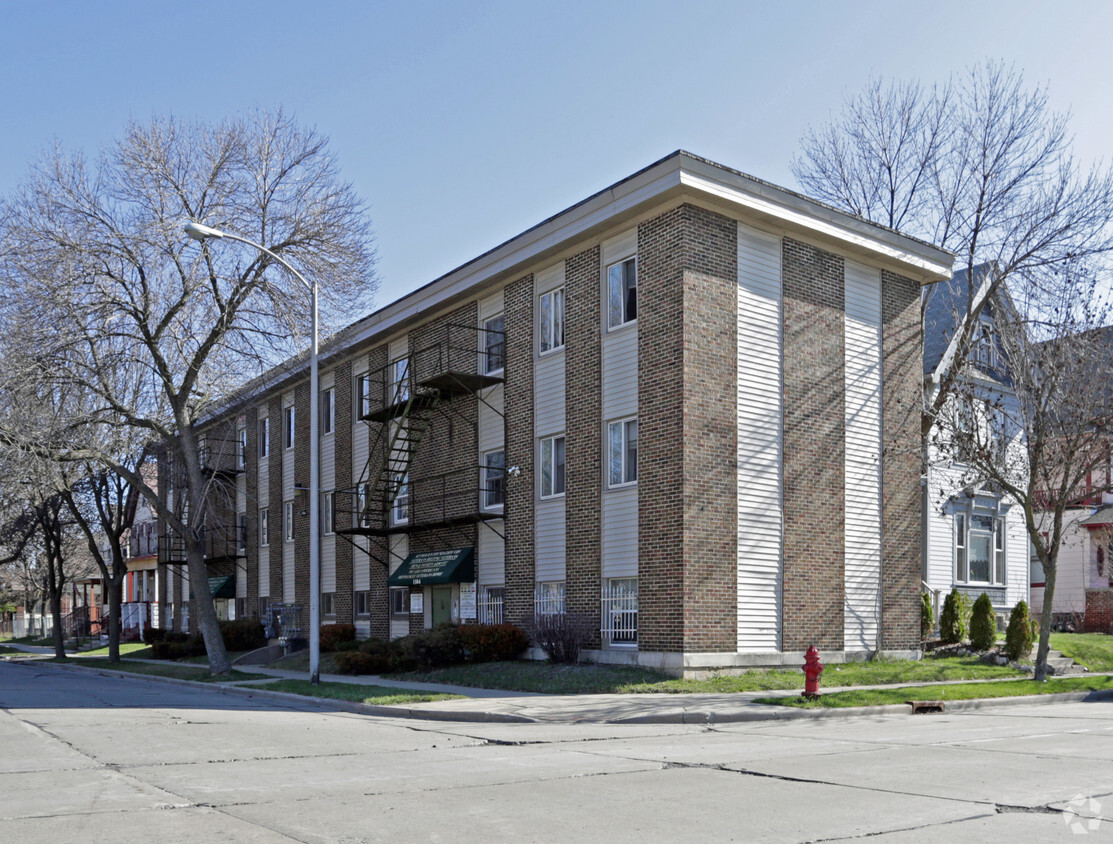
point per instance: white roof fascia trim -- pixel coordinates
(780, 210)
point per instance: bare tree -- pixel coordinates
(151, 334)
(981, 166)
(1043, 438)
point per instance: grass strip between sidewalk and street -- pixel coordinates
(375, 695)
(170, 669)
(964, 691)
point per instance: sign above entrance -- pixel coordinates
(454, 565)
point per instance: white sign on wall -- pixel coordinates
(417, 603)
(467, 601)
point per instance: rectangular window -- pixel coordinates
(288, 521)
(241, 608)
(622, 453)
(264, 527)
(494, 344)
(241, 448)
(492, 606)
(620, 611)
(363, 506)
(363, 395)
(328, 603)
(961, 573)
(400, 510)
(552, 320)
(363, 603)
(999, 550)
(264, 437)
(494, 479)
(552, 466)
(622, 292)
(548, 598)
(400, 380)
(262, 605)
(241, 533)
(288, 427)
(328, 410)
(978, 548)
(399, 600)
(328, 512)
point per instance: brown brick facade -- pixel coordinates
(251, 489)
(901, 373)
(342, 457)
(277, 504)
(520, 559)
(1099, 611)
(583, 433)
(814, 447)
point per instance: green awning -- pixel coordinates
(455, 565)
(223, 587)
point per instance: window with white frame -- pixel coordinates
(363, 603)
(363, 395)
(328, 603)
(979, 548)
(400, 380)
(551, 317)
(548, 598)
(264, 527)
(241, 533)
(494, 344)
(400, 510)
(552, 466)
(492, 606)
(328, 512)
(620, 611)
(363, 505)
(288, 427)
(399, 600)
(494, 479)
(622, 292)
(264, 437)
(622, 452)
(288, 521)
(241, 448)
(984, 345)
(328, 410)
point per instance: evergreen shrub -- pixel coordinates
(952, 621)
(927, 616)
(1020, 634)
(983, 624)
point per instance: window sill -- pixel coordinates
(550, 352)
(613, 328)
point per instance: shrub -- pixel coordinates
(244, 634)
(952, 621)
(983, 624)
(436, 648)
(560, 635)
(334, 634)
(161, 649)
(342, 647)
(1019, 635)
(358, 662)
(927, 616)
(492, 642)
(394, 656)
(151, 635)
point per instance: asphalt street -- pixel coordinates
(91, 757)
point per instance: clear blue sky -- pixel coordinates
(465, 123)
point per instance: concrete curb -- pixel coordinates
(760, 712)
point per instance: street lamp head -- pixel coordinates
(202, 232)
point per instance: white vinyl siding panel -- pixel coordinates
(620, 532)
(550, 539)
(490, 307)
(862, 578)
(548, 394)
(490, 566)
(399, 347)
(760, 445)
(287, 495)
(620, 374)
(399, 550)
(492, 429)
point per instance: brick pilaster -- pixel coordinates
(342, 442)
(277, 504)
(302, 409)
(814, 446)
(520, 560)
(251, 487)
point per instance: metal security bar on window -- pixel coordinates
(490, 608)
(620, 612)
(548, 599)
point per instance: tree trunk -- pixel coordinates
(202, 609)
(59, 633)
(1046, 615)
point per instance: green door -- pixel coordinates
(442, 604)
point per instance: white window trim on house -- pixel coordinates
(288, 430)
(241, 448)
(548, 450)
(264, 437)
(400, 386)
(965, 530)
(264, 527)
(362, 603)
(328, 513)
(549, 598)
(550, 331)
(288, 521)
(363, 394)
(399, 601)
(619, 291)
(400, 507)
(493, 345)
(620, 612)
(618, 449)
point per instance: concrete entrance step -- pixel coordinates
(1060, 664)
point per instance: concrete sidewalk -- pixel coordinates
(488, 705)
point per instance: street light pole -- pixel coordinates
(201, 233)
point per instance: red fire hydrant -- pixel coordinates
(812, 669)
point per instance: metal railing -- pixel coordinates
(620, 613)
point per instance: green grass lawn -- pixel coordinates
(1094, 650)
(167, 669)
(543, 678)
(377, 695)
(135, 650)
(966, 691)
(4, 650)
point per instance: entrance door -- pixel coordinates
(442, 604)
